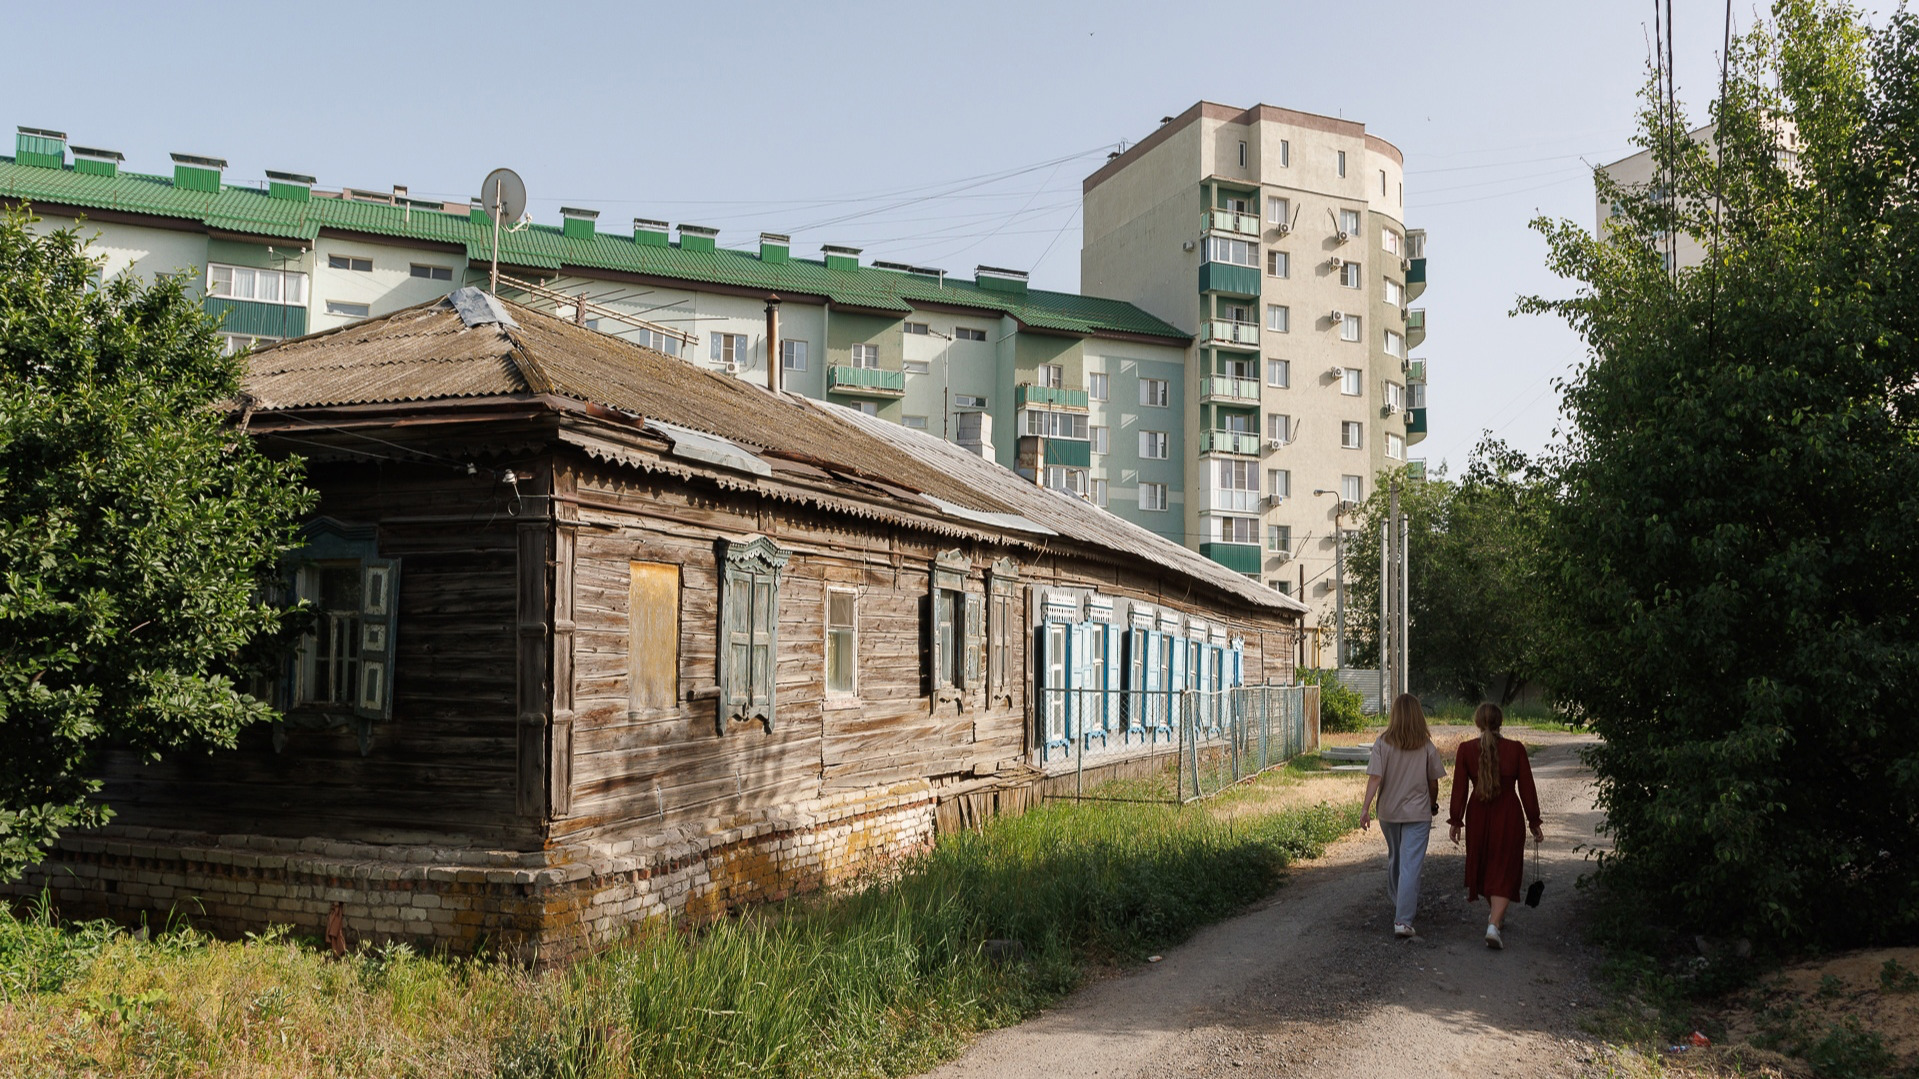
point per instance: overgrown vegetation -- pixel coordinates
(1733, 549)
(884, 981)
(136, 532)
(1341, 710)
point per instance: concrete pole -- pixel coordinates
(1385, 635)
(1339, 585)
(1405, 593)
(773, 342)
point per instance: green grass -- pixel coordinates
(883, 981)
(1538, 717)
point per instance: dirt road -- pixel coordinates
(1312, 983)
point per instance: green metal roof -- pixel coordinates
(251, 211)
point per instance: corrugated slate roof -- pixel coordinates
(430, 352)
(251, 211)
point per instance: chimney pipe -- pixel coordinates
(773, 342)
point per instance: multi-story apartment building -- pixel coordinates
(1066, 388)
(1278, 240)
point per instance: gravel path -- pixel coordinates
(1312, 983)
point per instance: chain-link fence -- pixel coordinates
(1220, 736)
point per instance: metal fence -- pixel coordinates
(1219, 736)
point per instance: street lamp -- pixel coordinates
(1339, 576)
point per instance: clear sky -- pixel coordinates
(940, 135)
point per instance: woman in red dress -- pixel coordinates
(1499, 779)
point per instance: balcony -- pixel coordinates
(1238, 557)
(1415, 327)
(1240, 442)
(1415, 426)
(1221, 331)
(1416, 469)
(1230, 221)
(1415, 370)
(1228, 278)
(1048, 396)
(1064, 452)
(1224, 389)
(865, 382)
(1415, 278)
(1222, 500)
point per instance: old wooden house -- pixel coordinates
(599, 636)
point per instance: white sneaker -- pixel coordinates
(1493, 940)
(1402, 929)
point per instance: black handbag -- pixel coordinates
(1538, 886)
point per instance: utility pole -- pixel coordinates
(1339, 576)
(1385, 636)
(1405, 592)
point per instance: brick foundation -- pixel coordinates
(540, 906)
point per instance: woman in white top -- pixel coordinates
(1403, 774)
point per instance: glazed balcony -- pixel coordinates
(1230, 221)
(1222, 331)
(1228, 390)
(1243, 443)
(1415, 327)
(1225, 500)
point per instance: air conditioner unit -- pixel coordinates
(1282, 556)
(1337, 372)
(1390, 409)
(1282, 228)
(732, 367)
(1405, 265)
(1337, 316)
(1276, 500)
(1341, 236)
(1335, 264)
(1275, 443)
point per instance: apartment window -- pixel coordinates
(917, 423)
(842, 643)
(652, 635)
(1351, 381)
(1279, 426)
(1099, 493)
(347, 310)
(917, 367)
(1389, 241)
(727, 347)
(1279, 538)
(1395, 395)
(868, 408)
(1279, 319)
(1349, 328)
(1395, 295)
(1349, 274)
(1341, 163)
(1152, 445)
(232, 344)
(1242, 155)
(793, 355)
(1280, 585)
(1395, 344)
(1238, 422)
(867, 356)
(1279, 482)
(1053, 424)
(749, 628)
(965, 400)
(1052, 375)
(1279, 264)
(667, 343)
(1279, 211)
(1238, 530)
(1352, 488)
(1097, 386)
(917, 328)
(1285, 153)
(1279, 373)
(1382, 183)
(346, 656)
(967, 333)
(1152, 496)
(1070, 480)
(1349, 222)
(1416, 395)
(348, 262)
(1232, 252)
(1154, 392)
(1239, 476)
(284, 287)
(1102, 439)
(1395, 446)
(1352, 435)
(430, 273)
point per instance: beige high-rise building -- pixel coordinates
(1277, 238)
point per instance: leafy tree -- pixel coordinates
(1734, 548)
(1474, 608)
(136, 530)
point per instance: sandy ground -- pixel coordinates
(1312, 983)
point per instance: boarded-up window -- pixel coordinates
(841, 643)
(653, 635)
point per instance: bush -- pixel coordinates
(1341, 710)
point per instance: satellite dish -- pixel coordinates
(503, 196)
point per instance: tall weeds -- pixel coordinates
(884, 980)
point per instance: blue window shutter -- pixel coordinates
(1112, 676)
(379, 607)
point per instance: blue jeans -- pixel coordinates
(1405, 857)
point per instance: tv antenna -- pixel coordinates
(503, 197)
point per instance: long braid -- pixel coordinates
(1488, 718)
